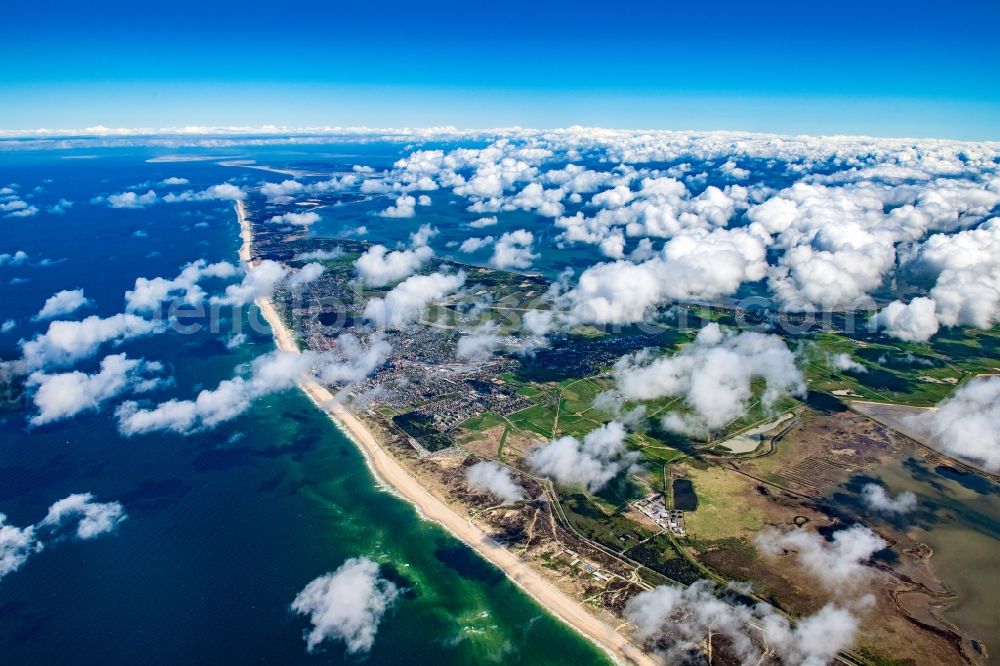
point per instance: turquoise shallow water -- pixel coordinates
(226, 526)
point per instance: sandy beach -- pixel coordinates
(391, 472)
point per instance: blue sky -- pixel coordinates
(889, 68)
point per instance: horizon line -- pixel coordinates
(278, 131)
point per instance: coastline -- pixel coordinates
(390, 472)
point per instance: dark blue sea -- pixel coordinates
(225, 526)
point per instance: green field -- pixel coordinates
(721, 512)
(481, 422)
(653, 450)
(538, 419)
(894, 371)
(578, 396)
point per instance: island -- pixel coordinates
(689, 507)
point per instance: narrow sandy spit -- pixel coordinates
(386, 468)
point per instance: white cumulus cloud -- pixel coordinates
(300, 219)
(495, 479)
(839, 563)
(406, 302)
(404, 207)
(479, 343)
(258, 281)
(308, 273)
(915, 321)
(91, 519)
(713, 375)
(132, 199)
(149, 293)
(348, 362)
(65, 342)
(845, 363)
(62, 395)
(346, 605)
(592, 462)
(378, 266)
(474, 244)
(272, 372)
(967, 424)
(78, 517)
(513, 250)
(62, 303)
(695, 265)
(878, 499)
(684, 620)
